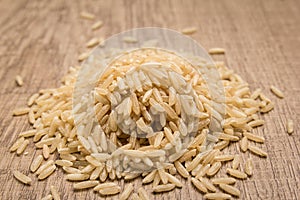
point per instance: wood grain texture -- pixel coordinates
(41, 39)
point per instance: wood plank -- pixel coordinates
(41, 39)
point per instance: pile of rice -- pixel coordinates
(154, 115)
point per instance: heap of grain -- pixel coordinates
(154, 112)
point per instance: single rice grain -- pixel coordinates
(110, 191)
(164, 188)
(290, 126)
(217, 195)
(87, 15)
(189, 30)
(258, 151)
(236, 173)
(200, 186)
(47, 172)
(249, 167)
(97, 25)
(277, 91)
(143, 194)
(20, 111)
(22, 147)
(230, 189)
(36, 163)
(127, 191)
(216, 51)
(22, 177)
(85, 185)
(54, 193)
(223, 180)
(19, 80)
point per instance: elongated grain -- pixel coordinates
(230, 190)
(22, 177)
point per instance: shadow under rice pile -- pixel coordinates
(154, 113)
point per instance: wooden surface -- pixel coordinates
(40, 39)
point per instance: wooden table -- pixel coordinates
(39, 40)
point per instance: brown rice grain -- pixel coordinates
(127, 191)
(110, 191)
(200, 186)
(230, 189)
(174, 180)
(97, 25)
(223, 158)
(19, 80)
(20, 111)
(204, 169)
(92, 42)
(17, 144)
(71, 170)
(129, 39)
(164, 188)
(188, 155)
(244, 144)
(54, 193)
(85, 185)
(28, 133)
(22, 177)
(216, 51)
(87, 15)
(105, 185)
(22, 147)
(256, 150)
(214, 168)
(290, 126)
(189, 30)
(36, 163)
(256, 123)
(217, 195)
(276, 91)
(223, 180)
(46, 151)
(255, 138)
(32, 99)
(47, 172)
(236, 161)
(83, 56)
(208, 184)
(150, 177)
(143, 194)
(236, 173)
(221, 145)
(77, 177)
(44, 166)
(249, 167)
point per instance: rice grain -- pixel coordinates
(217, 195)
(127, 191)
(290, 126)
(216, 51)
(19, 80)
(85, 185)
(236, 173)
(164, 188)
(22, 177)
(256, 150)
(230, 189)
(54, 193)
(36, 163)
(277, 91)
